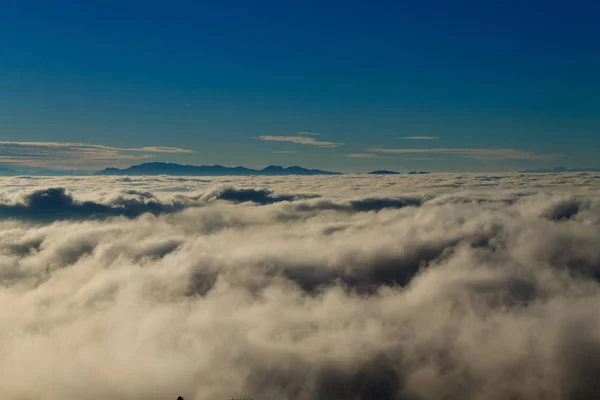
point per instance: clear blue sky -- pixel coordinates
(482, 85)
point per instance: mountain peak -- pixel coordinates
(273, 168)
(160, 168)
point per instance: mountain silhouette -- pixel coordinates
(159, 168)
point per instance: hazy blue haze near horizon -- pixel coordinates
(514, 82)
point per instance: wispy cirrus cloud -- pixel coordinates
(418, 137)
(161, 150)
(308, 133)
(476, 153)
(379, 156)
(366, 155)
(300, 140)
(284, 151)
(66, 155)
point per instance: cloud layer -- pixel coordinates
(442, 286)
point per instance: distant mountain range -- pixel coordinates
(559, 170)
(158, 168)
(161, 168)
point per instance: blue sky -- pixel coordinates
(348, 86)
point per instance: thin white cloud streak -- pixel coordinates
(367, 156)
(284, 151)
(481, 154)
(159, 149)
(418, 137)
(308, 133)
(301, 140)
(90, 147)
(379, 156)
(69, 155)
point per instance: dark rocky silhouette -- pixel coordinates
(384, 172)
(159, 168)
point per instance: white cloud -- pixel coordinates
(481, 153)
(284, 151)
(418, 137)
(362, 293)
(308, 133)
(301, 140)
(65, 155)
(366, 155)
(155, 149)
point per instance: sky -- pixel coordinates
(349, 86)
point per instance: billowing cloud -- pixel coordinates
(253, 195)
(301, 140)
(398, 287)
(56, 204)
(65, 155)
(480, 154)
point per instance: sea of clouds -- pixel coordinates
(442, 286)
